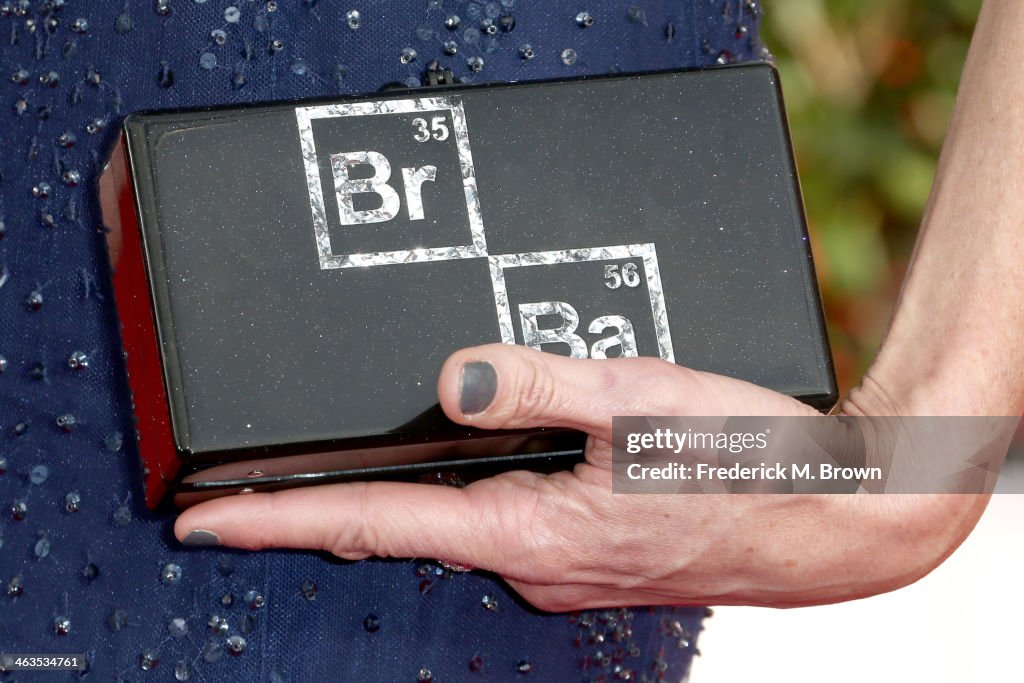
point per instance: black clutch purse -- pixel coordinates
(291, 276)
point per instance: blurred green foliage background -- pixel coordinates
(869, 87)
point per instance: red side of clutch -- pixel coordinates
(138, 328)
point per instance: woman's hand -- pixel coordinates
(564, 541)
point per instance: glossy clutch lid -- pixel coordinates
(298, 272)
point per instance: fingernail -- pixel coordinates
(201, 537)
(479, 384)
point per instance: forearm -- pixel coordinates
(954, 347)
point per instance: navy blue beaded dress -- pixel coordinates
(84, 566)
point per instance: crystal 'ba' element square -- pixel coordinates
(391, 182)
(601, 302)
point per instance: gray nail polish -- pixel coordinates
(201, 537)
(479, 384)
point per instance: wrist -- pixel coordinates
(918, 377)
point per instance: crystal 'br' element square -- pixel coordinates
(601, 302)
(391, 181)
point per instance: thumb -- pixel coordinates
(502, 386)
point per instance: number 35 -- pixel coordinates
(437, 126)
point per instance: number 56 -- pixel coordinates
(615, 278)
